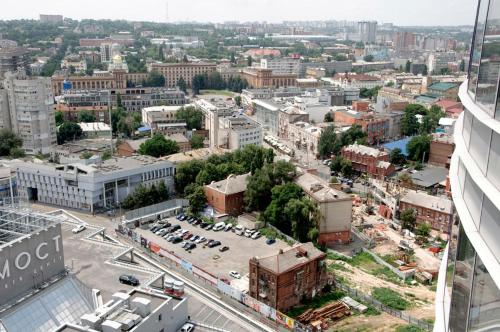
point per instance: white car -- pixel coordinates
(200, 240)
(235, 274)
(188, 327)
(255, 235)
(78, 229)
(228, 227)
(239, 230)
(249, 232)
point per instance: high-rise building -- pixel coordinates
(12, 58)
(367, 31)
(468, 291)
(31, 112)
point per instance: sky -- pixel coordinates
(399, 12)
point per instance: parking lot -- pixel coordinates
(241, 249)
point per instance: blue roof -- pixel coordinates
(144, 129)
(401, 144)
(442, 86)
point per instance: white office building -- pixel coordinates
(31, 113)
(281, 66)
(367, 31)
(468, 290)
(93, 186)
(239, 131)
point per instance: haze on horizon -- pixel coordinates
(399, 12)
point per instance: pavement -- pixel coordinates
(241, 249)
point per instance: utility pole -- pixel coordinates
(110, 124)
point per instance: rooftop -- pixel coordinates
(198, 154)
(94, 126)
(442, 138)
(422, 199)
(363, 149)
(442, 86)
(318, 189)
(290, 258)
(430, 176)
(232, 185)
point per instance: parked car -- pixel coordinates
(188, 327)
(170, 237)
(255, 235)
(187, 235)
(235, 274)
(198, 222)
(178, 217)
(128, 280)
(190, 246)
(203, 224)
(270, 241)
(183, 217)
(209, 227)
(225, 248)
(239, 230)
(228, 227)
(219, 226)
(194, 238)
(184, 243)
(78, 229)
(201, 240)
(249, 232)
(177, 239)
(155, 228)
(214, 244)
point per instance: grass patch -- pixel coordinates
(268, 232)
(390, 298)
(386, 274)
(409, 328)
(371, 311)
(338, 267)
(316, 302)
(217, 92)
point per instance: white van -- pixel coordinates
(249, 232)
(239, 230)
(219, 226)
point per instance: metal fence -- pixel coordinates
(378, 305)
(153, 210)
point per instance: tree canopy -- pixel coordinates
(418, 147)
(68, 131)
(10, 143)
(197, 142)
(191, 115)
(158, 146)
(86, 116)
(396, 157)
(144, 196)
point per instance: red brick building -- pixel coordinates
(376, 127)
(442, 147)
(433, 210)
(226, 196)
(283, 279)
(369, 160)
(360, 106)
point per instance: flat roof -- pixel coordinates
(435, 203)
(232, 185)
(319, 189)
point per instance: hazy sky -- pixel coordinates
(400, 12)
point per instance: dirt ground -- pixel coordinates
(361, 323)
(423, 298)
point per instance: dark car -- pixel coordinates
(155, 228)
(178, 217)
(203, 224)
(270, 241)
(190, 246)
(128, 280)
(176, 239)
(209, 227)
(191, 219)
(194, 238)
(175, 228)
(183, 217)
(198, 222)
(214, 244)
(225, 248)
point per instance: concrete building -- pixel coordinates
(367, 31)
(163, 119)
(51, 18)
(280, 66)
(288, 116)
(468, 291)
(330, 67)
(266, 78)
(357, 80)
(226, 196)
(236, 132)
(93, 186)
(76, 63)
(368, 160)
(432, 210)
(174, 71)
(305, 136)
(335, 209)
(13, 58)
(95, 129)
(30, 106)
(8, 184)
(283, 279)
(444, 90)
(441, 149)
(266, 113)
(439, 60)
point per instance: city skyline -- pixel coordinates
(459, 12)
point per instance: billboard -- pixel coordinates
(30, 261)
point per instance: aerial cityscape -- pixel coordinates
(251, 166)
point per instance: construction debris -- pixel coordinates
(333, 311)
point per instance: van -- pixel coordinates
(249, 232)
(239, 230)
(219, 226)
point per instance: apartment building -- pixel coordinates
(435, 211)
(30, 106)
(12, 58)
(51, 18)
(266, 113)
(357, 80)
(93, 186)
(288, 116)
(163, 119)
(174, 71)
(468, 288)
(376, 126)
(280, 66)
(238, 131)
(367, 31)
(335, 208)
(368, 160)
(305, 136)
(441, 149)
(284, 279)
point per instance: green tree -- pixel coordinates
(418, 148)
(17, 153)
(346, 168)
(300, 213)
(191, 115)
(197, 199)
(328, 117)
(249, 61)
(462, 65)
(59, 118)
(423, 229)
(237, 100)
(186, 174)
(198, 83)
(328, 143)
(86, 116)
(368, 58)
(340, 57)
(181, 83)
(258, 194)
(197, 142)
(408, 219)
(425, 71)
(396, 157)
(336, 165)
(409, 122)
(9, 142)
(233, 58)
(408, 66)
(155, 79)
(158, 146)
(68, 131)
(275, 211)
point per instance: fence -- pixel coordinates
(402, 274)
(289, 238)
(234, 296)
(378, 305)
(152, 211)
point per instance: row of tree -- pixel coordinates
(144, 196)
(10, 144)
(215, 81)
(410, 125)
(330, 143)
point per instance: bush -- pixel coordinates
(409, 328)
(390, 298)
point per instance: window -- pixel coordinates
(473, 197)
(477, 46)
(159, 317)
(480, 144)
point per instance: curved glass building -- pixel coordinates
(468, 293)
